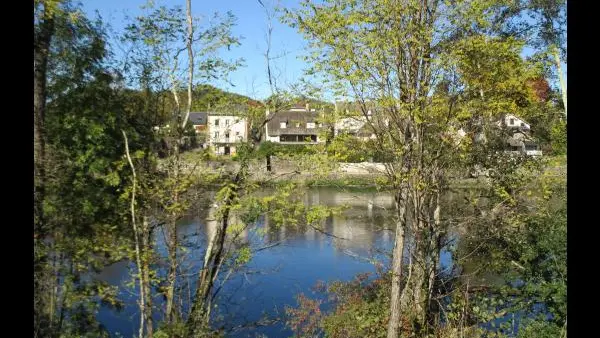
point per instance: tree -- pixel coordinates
(393, 56)
(239, 207)
(543, 25)
(524, 244)
(76, 197)
(160, 38)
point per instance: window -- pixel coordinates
(522, 124)
(237, 133)
(283, 125)
(216, 135)
(511, 122)
(226, 122)
(310, 125)
(216, 122)
(226, 136)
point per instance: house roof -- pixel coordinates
(501, 121)
(198, 118)
(291, 118)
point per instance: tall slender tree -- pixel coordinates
(426, 70)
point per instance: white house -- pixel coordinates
(511, 121)
(225, 132)
(519, 141)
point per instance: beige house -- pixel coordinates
(226, 132)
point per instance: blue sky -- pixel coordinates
(250, 80)
(251, 24)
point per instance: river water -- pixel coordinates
(298, 259)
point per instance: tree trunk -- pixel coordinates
(268, 163)
(147, 247)
(42, 38)
(40, 64)
(435, 243)
(200, 313)
(213, 259)
(413, 302)
(136, 235)
(395, 306)
(172, 275)
(190, 38)
(561, 79)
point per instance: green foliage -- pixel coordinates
(527, 250)
(278, 149)
(361, 309)
(210, 98)
(346, 148)
(558, 135)
(177, 330)
(541, 329)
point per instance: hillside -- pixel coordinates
(207, 97)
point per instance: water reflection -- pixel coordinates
(274, 276)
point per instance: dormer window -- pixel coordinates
(522, 124)
(310, 125)
(297, 124)
(283, 125)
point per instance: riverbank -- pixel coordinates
(369, 176)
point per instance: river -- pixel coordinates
(298, 260)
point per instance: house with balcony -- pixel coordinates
(298, 125)
(523, 143)
(226, 132)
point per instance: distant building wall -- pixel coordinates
(226, 129)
